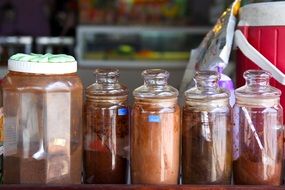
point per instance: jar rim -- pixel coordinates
(155, 73)
(109, 72)
(257, 74)
(207, 75)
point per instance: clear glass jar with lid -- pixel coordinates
(155, 131)
(42, 102)
(258, 131)
(206, 132)
(106, 133)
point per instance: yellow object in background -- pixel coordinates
(236, 8)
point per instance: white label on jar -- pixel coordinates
(58, 134)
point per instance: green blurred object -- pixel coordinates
(125, 50)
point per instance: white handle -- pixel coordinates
(251, 53)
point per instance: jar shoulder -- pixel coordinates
(24, 82)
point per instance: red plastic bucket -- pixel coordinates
(260, 38)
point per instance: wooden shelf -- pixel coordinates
(136, 187)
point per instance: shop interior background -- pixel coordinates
(130, 35)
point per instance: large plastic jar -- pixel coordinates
(258, 132)
(42, 98)
(106, 130)
(206, 132)
(155, 131)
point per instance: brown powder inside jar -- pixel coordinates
(206, 147)
(254, 166)
(32, 171)
(155, 142)
(252, 173)
(106, 143)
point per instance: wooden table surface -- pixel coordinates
(135, 187)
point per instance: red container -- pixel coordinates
(263, 26)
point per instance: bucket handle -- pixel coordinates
(255, 56)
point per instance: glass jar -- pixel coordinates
(258, 131)
(42, 102)
(106, 135)
(206, 132)
(155, 131)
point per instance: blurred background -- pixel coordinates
(130, 35)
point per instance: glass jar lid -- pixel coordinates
(206, 87)
(155, 85)
(257, 86)
(106, 85)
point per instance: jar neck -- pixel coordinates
(107, 84)
(207, 85)
(156, 78)
(155, 82)
(107, 81)
(207, 81)
(107, 76)
(257, 79)
(257, 84)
